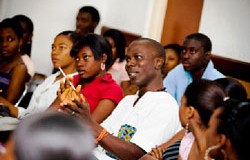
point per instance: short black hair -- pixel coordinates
(97, 44)
(158, 48)
(93, 11)
(156, 45)
(205, 40)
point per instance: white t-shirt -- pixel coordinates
(153, 120)
(43, 96)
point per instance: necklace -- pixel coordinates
(161, 89)
(158, 90)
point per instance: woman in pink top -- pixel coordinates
(118, 43)
(198, 103)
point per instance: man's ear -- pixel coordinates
(208, 55)
(95, 24)
(158, 63)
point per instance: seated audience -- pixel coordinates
(228, 132)
(13, 72)
(93, 56)
(50, 136)
(197, 105)
(172, 58)
(87, 19)
(140, 121)
(117, 70)
(196, 64)
(46, 92)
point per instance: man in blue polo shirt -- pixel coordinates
(196, 64)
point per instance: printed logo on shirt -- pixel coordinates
(126, 132)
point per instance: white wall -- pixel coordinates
(228, 25)
(128, 15)
(143, 17)
(53, 16)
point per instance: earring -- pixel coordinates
(103, 67)
(224, 153)
(209, 150)
(187, 128)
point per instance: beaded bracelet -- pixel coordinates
(103, 134)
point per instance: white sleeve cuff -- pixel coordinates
(21, 112)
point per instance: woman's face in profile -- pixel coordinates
(60, 54)
(9, 42)
(171, 61)
(87, 65)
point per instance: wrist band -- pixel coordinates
(103, 134)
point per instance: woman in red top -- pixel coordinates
(93, 56)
